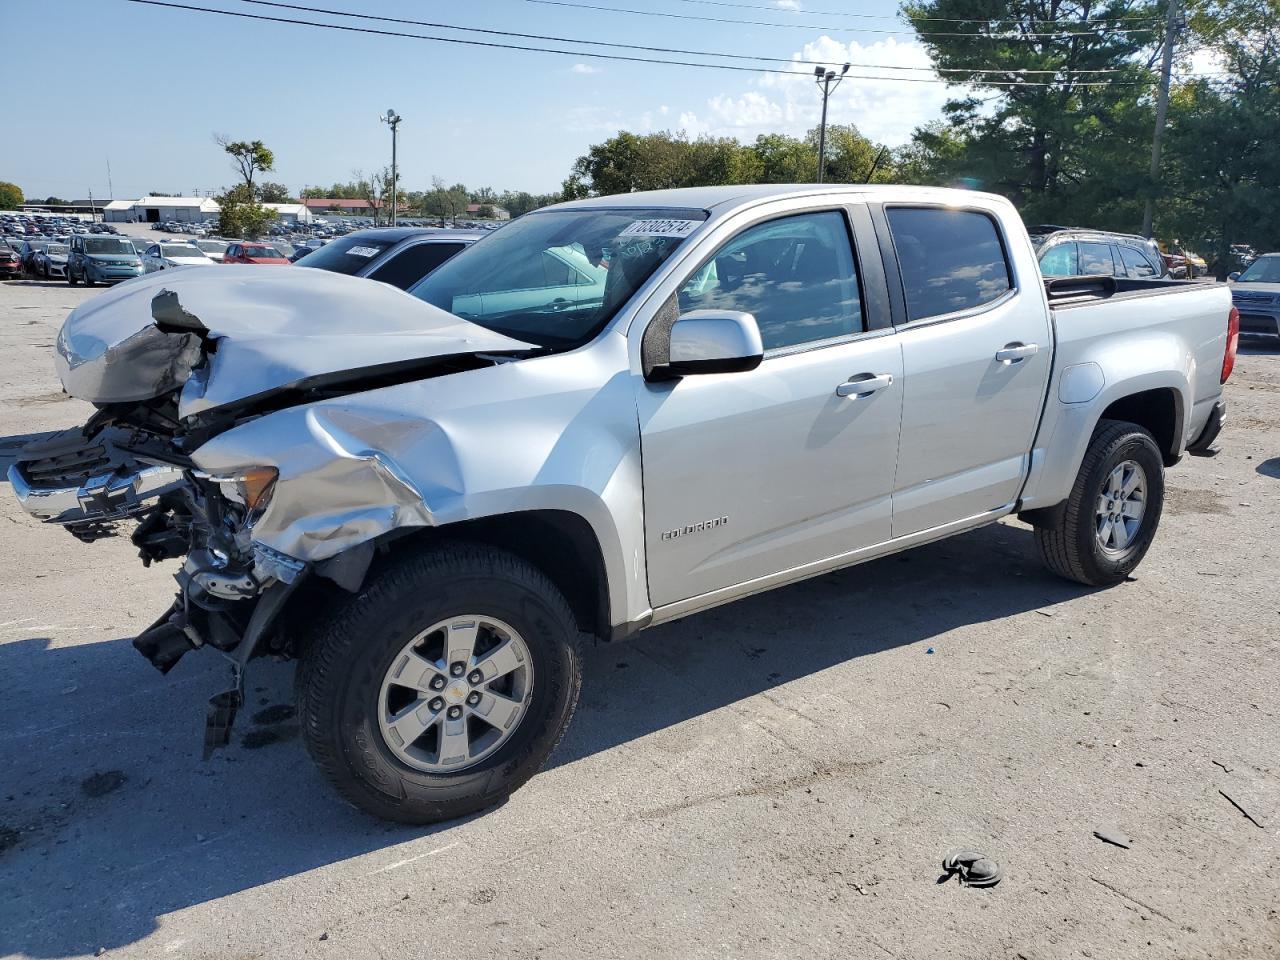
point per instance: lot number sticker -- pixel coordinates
(660, 228)
(363, 251)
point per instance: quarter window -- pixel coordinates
(795, 275)
(950, 260)
(1095, 260)
(1135, 264)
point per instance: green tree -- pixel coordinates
(784, 159)
(1222, 166)
(1064, 150)
(10, 195)
(269, 192)
(242, 215)
(247, 157)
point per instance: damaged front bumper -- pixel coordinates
(85, 483)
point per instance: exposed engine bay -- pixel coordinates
(132, 464)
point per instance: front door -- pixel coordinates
(751, 474)
(976, 354)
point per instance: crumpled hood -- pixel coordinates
(247, 330)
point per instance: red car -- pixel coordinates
(254, 253)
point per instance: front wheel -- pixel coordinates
(442, 686)
(1111, 516)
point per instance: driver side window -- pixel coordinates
(795, 275)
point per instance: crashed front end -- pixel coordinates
(185, 373)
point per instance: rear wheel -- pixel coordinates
(442, 686)
(1111, 516)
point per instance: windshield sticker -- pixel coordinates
(363, 251)
(660, 228)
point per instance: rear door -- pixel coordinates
(976, 353)
(752, 474)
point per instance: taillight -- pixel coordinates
(1233, 343)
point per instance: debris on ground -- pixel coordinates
(1112, 836)
(1247, 815)
(973, 868)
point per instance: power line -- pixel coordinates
(583, 53)
(328, 11)
(834, 27)
(890, 16)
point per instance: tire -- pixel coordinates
(88, 281)
(71, 278)
(1072, 547)
(346, 666)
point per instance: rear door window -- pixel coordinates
(950, 260)
(1095, 260)
(410, 264)
(1060, 260)
(1135, 264)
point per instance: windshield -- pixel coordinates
(179, 250)
(56, 249)
(211, 246)
(261, 252)
(1262, 270)
(347, 255)
(556, 278)
(108, 245)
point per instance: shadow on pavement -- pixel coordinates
(109, 820)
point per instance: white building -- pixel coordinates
(290, 212)
(160, 209)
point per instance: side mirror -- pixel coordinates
(1234, 276)
(714, 341)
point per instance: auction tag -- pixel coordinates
(660, 228)
(364, 251)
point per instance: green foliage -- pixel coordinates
(444, 201)
(269, 192)
(247, 157)
(10, 195)
(242, 216)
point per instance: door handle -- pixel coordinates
(864, 384)
(1016, 352)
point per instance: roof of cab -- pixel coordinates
(727, 197)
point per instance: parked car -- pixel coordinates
(1256, 293)
(101, 260)
(428, 499)
(10, 262)
(247, 252)
(1076, 252)
(400, 256)
(30, 250)
(169, 254)
(215, 250)
(51, 262)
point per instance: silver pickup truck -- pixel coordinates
(609, 414)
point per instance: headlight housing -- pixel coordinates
(251, 487)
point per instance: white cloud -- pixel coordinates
(787, 4)
(584, 68)
(885, 108)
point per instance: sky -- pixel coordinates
(145, 88)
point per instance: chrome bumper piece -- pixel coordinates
(100, 499)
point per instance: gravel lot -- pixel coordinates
(776, 778)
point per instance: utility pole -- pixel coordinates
(392, 119)
(828, 80)
(1171, 26)
(111, 190)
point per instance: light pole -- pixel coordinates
(828, 80)
(392, 119)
